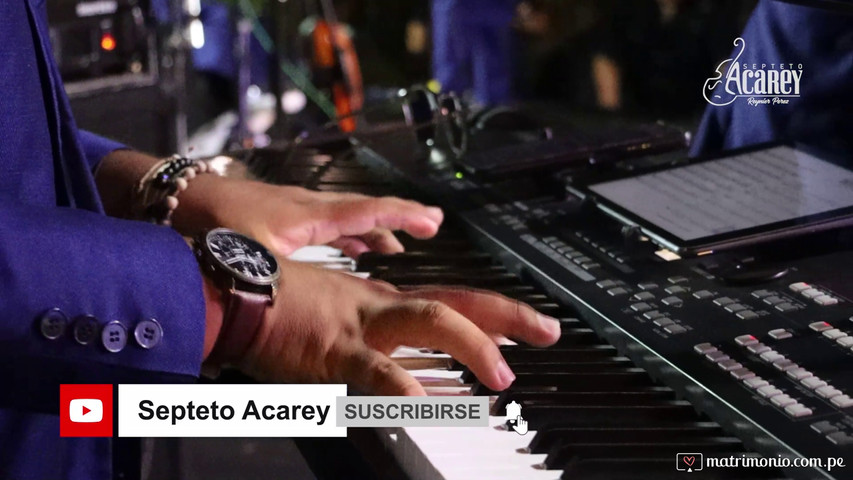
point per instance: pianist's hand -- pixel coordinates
(331, 327)
(283, 218)
(287, 218)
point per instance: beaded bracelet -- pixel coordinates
(156, 194)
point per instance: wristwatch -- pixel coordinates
(248, 274)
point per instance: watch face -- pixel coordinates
(243, 257)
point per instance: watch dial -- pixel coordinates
(243, 256)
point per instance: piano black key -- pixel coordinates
(520, 354)
(598, 366)
(655, 468)
(658, 413)
(372, 260)
(577, 336)
(567, 453)
(448, 278)
(551, 437)
(576, 382)
(650, 396)
(513, 353)
(437, 244)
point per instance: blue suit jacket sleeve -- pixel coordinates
(87, 264)
(96, 148)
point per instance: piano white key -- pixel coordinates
(328, 258)
(417, 353)
(317, 253)
(431, 373)
(470, 453)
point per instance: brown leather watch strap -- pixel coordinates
(243, 318)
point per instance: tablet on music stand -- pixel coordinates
(748, 197)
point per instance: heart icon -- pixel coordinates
(688, 460)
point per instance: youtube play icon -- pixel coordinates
(86, 410)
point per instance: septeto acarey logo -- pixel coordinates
(762, 84)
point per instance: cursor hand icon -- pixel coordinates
(521, 426)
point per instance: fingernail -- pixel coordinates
(505, 373)
(549, 323)
(435, 213)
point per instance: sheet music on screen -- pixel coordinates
(736, 193)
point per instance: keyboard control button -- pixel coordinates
(735, 307)
(746, 340)
(663, 322)
(783, 365)
(842, 401)
(797, 410)
(840, 438)
(779, 334)
(811, 293)
(716, 356)
(643, 296)
(773, 300)
(758, 348)
(768, 391)
(647, 286)
(641, 307)
(703, 348)
(799, 373)
(674, 329)
(833, 334)
(812, 383)
(742, 373)
(723, 301)
(824, 427)
(607, 284)
(674, 289)
(755, 382)
(825, 300)
(729, 365)
(677, 279)
(747, 315)
(653, 315)
(672, 301)
(782, 400)
(703, 294)
(786, 307)
(799, 287)
(763, 293)
(771, 356)
(615, 292)
(845, 342)
(820, 326)
(828, 392)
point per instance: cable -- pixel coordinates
(294, 73)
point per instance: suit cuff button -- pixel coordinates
(52, 324)
(114, 337)
(86, 328)
(148, 333)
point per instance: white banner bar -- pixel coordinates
(229, 410)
